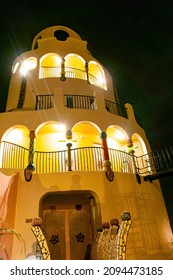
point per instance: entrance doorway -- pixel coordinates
(70, 220)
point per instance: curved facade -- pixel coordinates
(78, 157)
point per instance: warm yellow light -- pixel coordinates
(119, 135)
(61, 127)
(111, 143)
(15, 136)
(28, 64)
(100, 79)
(51, 60)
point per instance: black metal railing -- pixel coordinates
(13, 156)
(82, 159)
(44, 101)
(47, 162)
(115, 108)
(71, 72)
(95, 81)
(156, 163)
(121, 161)
(49, 72)
(80, 102)
(153, 164)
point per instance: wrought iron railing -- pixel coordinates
(157, 161)
(13, 156)
(47, 162)
(71, 72)
(44, 101)
(95, 81)
(80, 102)
(82, 159)
(87, 159)
(115, 108)
(49, 72)
(121, 161)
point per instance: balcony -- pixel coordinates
(151, 166)
(44, 101)
(86, 102)
(71, 72)
(82, 159)
(157, 164)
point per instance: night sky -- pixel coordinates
(132, 39)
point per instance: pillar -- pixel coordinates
(69, 145)
(63, 78)
(86, 71)
(106, 162)
(30, 167)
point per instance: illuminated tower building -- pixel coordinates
(73, 156)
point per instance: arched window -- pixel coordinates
(96, 74)
(50, 66)
(75, 67)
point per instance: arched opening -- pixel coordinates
(141, 154)
(50, 66)
(96, 74)
(75, 67)
(86, 134)
(14, 147)
(88, 155)
(50, 148)
(120, 160)
(51, 136)
(139, 145)
(70, 220)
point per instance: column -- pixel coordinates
(106, 162)
(30, 167)
(69, 145)
(86, 71)
(63, 78)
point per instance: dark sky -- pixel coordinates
(132, 39)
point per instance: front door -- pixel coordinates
(68, 225)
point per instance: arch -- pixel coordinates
(88, 155)
(18, 134)
(86, 134)
(72, 212)
(50, 66)
(75, 66)
(139, 145)
(51, 136)
(141, 154)
(117, 146)
(117, 138)
(96, 74)
(14, 145)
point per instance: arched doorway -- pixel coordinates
(70, 220)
